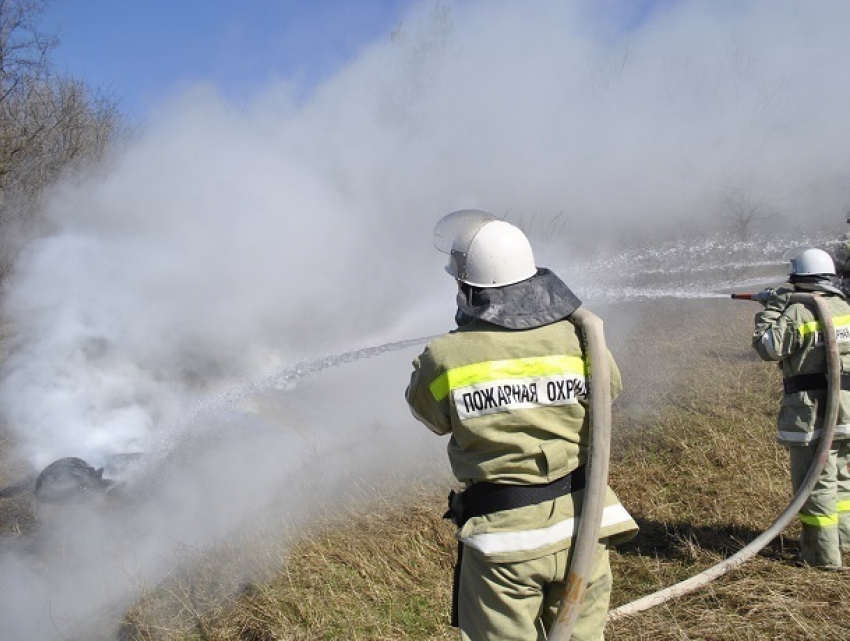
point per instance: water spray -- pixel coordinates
(579, 571)
(784, 519)
(72, 479)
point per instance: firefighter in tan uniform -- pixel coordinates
(509, 387)
(791, 334)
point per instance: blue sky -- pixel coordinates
(143, 51)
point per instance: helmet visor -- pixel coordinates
(456, 230)
(793, 255)
(794, 252)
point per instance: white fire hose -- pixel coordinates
(821, 455)
(590, 521)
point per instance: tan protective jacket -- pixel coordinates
(514, 402)
(793, 336)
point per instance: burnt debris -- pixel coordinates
(70, 480)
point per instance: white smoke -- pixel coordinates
(229, 243)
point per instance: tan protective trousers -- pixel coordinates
(519, 601)
(825, 516)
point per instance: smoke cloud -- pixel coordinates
(229, 244)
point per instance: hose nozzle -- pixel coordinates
(759, 296)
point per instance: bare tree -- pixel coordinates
(49, 122)
(23, 63)
(742, 210)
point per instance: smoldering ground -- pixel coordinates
(229, 243)
(288, 457)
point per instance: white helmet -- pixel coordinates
(483, 250)
(810, 261)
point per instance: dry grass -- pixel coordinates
(17, 503)
(383, 576)
(704, 477)
(694, 460)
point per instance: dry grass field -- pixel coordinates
(694, 460)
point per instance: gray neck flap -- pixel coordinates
(540, 300)
(819, 287)
(815, 284)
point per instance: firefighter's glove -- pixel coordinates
(762, 296)
(776, 299)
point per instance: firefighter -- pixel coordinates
(791, 334)
(509, 387)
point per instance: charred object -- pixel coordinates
(73, 480)
(70, 480)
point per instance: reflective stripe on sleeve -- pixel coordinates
(501, 542)
(844, 506)
(515, 368)
(806, 438)
(841, 324)
(819, 521)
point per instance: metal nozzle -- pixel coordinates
(761, 297)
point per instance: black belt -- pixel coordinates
(811, 382)
(485, 498)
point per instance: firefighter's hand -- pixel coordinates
(762, 296)
(776, 299)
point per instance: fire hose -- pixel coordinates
(784, 519)
(589, 524)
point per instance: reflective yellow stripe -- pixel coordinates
(819, 521)
(814, 326)
(489, 371)
(844, 506)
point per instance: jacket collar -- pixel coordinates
(537, 301)
(815, 284)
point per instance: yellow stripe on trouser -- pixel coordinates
(820, 532)
(819, 521)
(506, 369)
